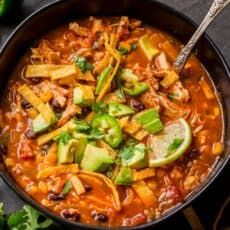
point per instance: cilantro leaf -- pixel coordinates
(67, 187)
(133, 46)
(64, 137)
(2, 217)
(123, 50)
(172, 96)
(99, 107)
(28, 219)
(175, 145)
(16, 220)
(82, 126)
(82, 64)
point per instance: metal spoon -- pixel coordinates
(216, 7)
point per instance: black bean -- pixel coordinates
(99, 216)
(3, 149)
(56, 106)
(36, 80)
(56, 197)
(30, 134)
(194, 153)
(25, 104)
(44, 149)
(88, 188)
(136, 105)
(71, 214)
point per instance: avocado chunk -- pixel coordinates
(154, 126)
(96, 159)
(135, 156)
(66, 151)
(82, 141)
(39, 124)
(146, 116)
(124, 177)
(150, 120)
(119, 110)
(83, 95)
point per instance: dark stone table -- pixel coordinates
(219, 32)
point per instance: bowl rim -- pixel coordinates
(169, 213)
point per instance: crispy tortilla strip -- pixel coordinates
(143, 174)
(117, 57)
(145, 193)
(77, 185)
(42, 70)
(63, 72)
(170, 77)
(36, 102)
(58, 72)
(57, 170)
(49, 136)
(109, 183)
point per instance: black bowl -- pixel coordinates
(150, 12)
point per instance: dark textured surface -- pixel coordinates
(219, 32)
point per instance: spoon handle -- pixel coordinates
(216, 7)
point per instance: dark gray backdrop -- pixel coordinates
(219, 31)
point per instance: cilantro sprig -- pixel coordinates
(82, 64)
(25, 219)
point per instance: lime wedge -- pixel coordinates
(169, 144)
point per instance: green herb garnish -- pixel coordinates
(25, 219)
(67, 187)
(82, 126)
(174, 145)
(172, 96)
(82, 64)
(133, 46)
(64, 137)
(123, 50)
(99, 107)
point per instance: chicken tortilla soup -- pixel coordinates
(98, 127)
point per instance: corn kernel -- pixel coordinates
(217, 148)
(9, 162)
(43, 187)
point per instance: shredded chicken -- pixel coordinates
(173, 110)
(78, 30)
(58, 92)
(181, 94)
(70, 111)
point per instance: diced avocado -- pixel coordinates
(146, 116)
(154, 126)
(81, 145)
(136, 157)
(147, 47)
(150, 120)
(83, 95)
(124, 177)
(39, 124)
(136, 89)
(66, 151)
(96, 159)
(118, 110)
(102, 78)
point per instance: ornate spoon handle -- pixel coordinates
(216, 7)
